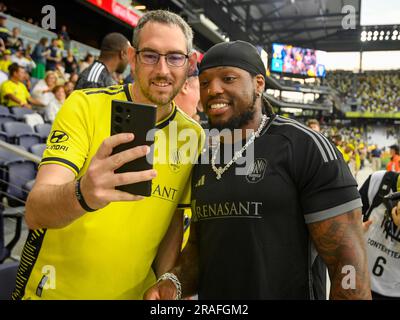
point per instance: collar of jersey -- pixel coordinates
(164, 122)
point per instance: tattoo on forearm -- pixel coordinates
(341, 244)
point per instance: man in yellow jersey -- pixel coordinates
(118, 250)
(14, 93)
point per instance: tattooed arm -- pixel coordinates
(340, 242)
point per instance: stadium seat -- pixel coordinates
(43, 130)
(3, 136)
(4, 110)
(5, 156)
(38, 149)
(7, 118)
(13, 213)
(21, 134)
(13, 176)
(19, 172)
(8, 276)
(19, 113)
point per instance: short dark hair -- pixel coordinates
(164, 17)
(113, 42)
(13, 68)
(395, 147)
(337, 137)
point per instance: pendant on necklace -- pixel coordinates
(219, 172)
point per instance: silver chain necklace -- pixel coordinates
(238, 154)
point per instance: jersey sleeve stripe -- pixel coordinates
(106, 91)
(55, 159)
(93, 71)
(322, 138)
(319, 146)
(333, 212)
(96, 77)
(127, 92)
(325, 142)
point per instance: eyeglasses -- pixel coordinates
(152, 57)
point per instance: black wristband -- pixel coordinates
(80, 198)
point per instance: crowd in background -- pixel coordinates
(352, 142)
(47, 72)
(371, 91)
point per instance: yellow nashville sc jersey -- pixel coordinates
(107, 254)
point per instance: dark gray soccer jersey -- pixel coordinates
(95, 76)
(252, 228)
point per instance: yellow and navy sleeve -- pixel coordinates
(69, 140)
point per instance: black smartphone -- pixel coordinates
(139, 119)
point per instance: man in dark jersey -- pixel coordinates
(265, 219)
(113, 58)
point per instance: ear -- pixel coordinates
(259, 83)
(184, 89)
(131, 52)
(192, 62)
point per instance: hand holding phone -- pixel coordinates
(139, 119)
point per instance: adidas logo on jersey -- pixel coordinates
(201, 181)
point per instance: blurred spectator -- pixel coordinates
(3, 77)
(313, 124)
(43, 89)
(4, 32)
(113, 58)
(63, 34)
(70, 63)
(394, 163)
(19, 57)
(60, 43)
(54, 56)
(5, 61)
(28, 50)
(3, 7)
(14, 42)
(74, 78)
(55, 103)
(60, 72)
(189, 96)
(88, 61)
(39, 55)
(376, 154)
(68, 88)
(14, 93)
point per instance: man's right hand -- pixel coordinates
(163, 290)
(99, 182)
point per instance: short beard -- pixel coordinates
(239, 121)
(156, 100)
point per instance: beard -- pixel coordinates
(121, 67)
(159, 100)
(237, 121)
